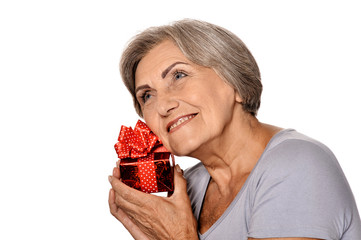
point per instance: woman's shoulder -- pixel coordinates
(294, 155)
(291, 146)
(291, 137)
(300, 176)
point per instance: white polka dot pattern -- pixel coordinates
(147, 175)
(136, 143)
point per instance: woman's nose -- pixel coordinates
(166, 104)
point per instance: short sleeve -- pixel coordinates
(301, 192)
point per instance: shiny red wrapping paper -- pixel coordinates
(145, 164)
(150, 174)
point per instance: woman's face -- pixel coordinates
(185, 104)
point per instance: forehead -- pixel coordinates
(158, 59)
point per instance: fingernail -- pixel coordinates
(177, 167)
(110, 179)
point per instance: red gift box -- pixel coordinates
(145, 163)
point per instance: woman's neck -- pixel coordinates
(233, 155)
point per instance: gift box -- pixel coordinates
(150, 174)
(145, 164)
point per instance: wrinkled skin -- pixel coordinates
(148, 216)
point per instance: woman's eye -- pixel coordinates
(145, 97)
(179, 75)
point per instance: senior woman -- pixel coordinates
(198, 88)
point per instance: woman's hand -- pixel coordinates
(148, 216)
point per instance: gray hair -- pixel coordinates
(204, 44)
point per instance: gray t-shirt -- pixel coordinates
(297, 189)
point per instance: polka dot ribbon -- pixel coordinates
(136, 143)
(147, 176)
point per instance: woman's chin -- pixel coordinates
(180, 152)
(182, 149)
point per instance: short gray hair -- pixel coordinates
(204, 44)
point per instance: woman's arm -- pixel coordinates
(148, 216)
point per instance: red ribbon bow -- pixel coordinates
(136, 143)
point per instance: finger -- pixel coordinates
(112, 206)
(127, 195)
(116, 173)
(180, 183)
(119, 214)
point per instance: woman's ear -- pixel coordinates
(238, 97)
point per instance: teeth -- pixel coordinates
(181, 120)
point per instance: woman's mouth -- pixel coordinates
(180, 121)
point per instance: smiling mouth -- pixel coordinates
(181, 121)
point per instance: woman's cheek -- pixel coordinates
(154, 125)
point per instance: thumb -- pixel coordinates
(180, 183)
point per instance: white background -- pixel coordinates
(63, 102)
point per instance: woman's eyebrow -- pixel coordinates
(164, 74)
(166, 71)
(141, 87)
